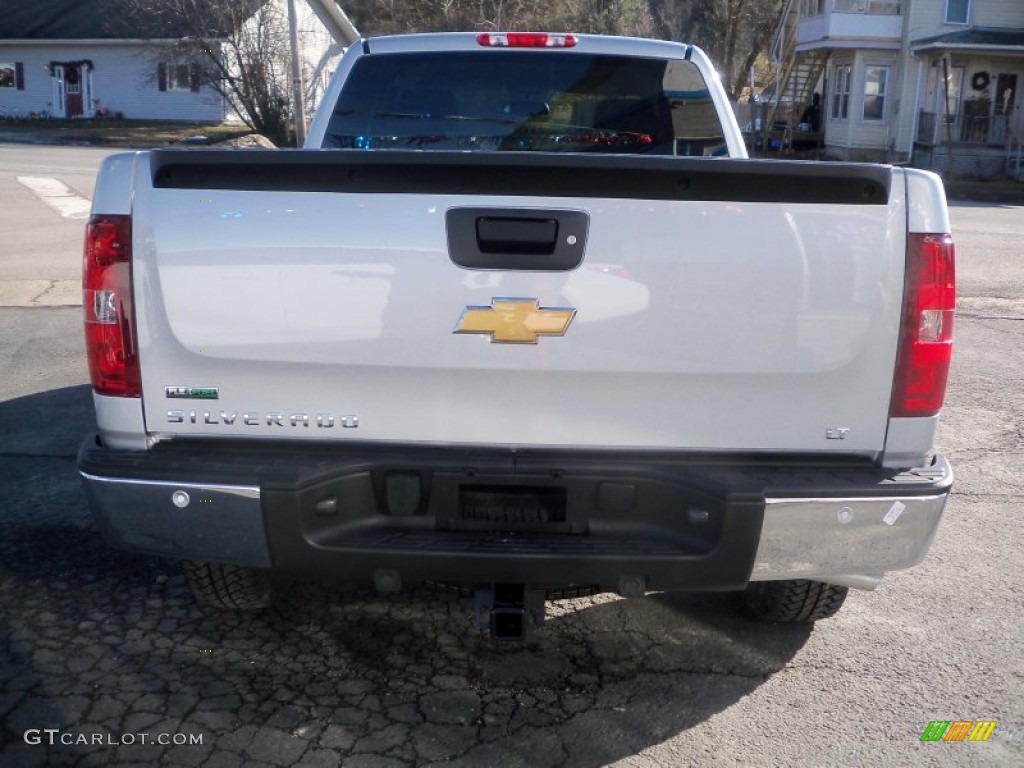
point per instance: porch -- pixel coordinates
(973, 143)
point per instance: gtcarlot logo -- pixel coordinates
(55, 736)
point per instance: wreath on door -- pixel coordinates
(980, 81)
(72, 76)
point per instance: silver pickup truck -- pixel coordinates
(524, 319)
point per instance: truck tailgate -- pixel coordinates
(717, 305)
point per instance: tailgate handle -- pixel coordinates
(516, 238)
(531, 236)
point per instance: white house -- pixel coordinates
(78, 58)
(919, 81)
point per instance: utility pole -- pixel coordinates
(946, 118)
(298, 90)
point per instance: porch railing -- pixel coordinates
(926, 123)
(979, 129)
(1014, 149)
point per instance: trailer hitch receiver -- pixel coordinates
(508, 611)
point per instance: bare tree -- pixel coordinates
(238, 48)
(608, 17)
(377, 17)
(670, 18)
(735, 33)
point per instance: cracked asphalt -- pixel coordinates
(103, 650)
(98, 641)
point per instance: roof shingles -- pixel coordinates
(91, 20)
(977, 37)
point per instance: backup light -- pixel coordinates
(526, 40)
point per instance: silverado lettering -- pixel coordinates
(254, 419)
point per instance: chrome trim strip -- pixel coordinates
(853, 499)
(246, 491)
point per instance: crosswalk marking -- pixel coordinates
(58, 196)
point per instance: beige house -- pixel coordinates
(930, 82)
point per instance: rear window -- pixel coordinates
(536, 101)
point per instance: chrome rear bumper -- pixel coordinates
(845, 541)
(678, 524)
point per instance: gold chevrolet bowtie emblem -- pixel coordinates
(515, 321)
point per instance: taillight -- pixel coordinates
(525, 40)
(926, 336)
(107, 302)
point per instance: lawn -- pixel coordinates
(112, 132)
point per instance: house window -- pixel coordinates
(957, 11)
(875, 83)
(841, 95)
(873, 7)
(177, 76)
(12, 75)
(811, 8)
(72, 80)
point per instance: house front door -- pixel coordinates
(1006, 109)
(73, 104)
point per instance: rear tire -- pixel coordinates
(794, 601)
(230, 587)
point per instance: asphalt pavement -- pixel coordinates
(103, 654)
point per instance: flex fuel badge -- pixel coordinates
(192, 393)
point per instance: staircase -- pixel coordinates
(798, 73)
